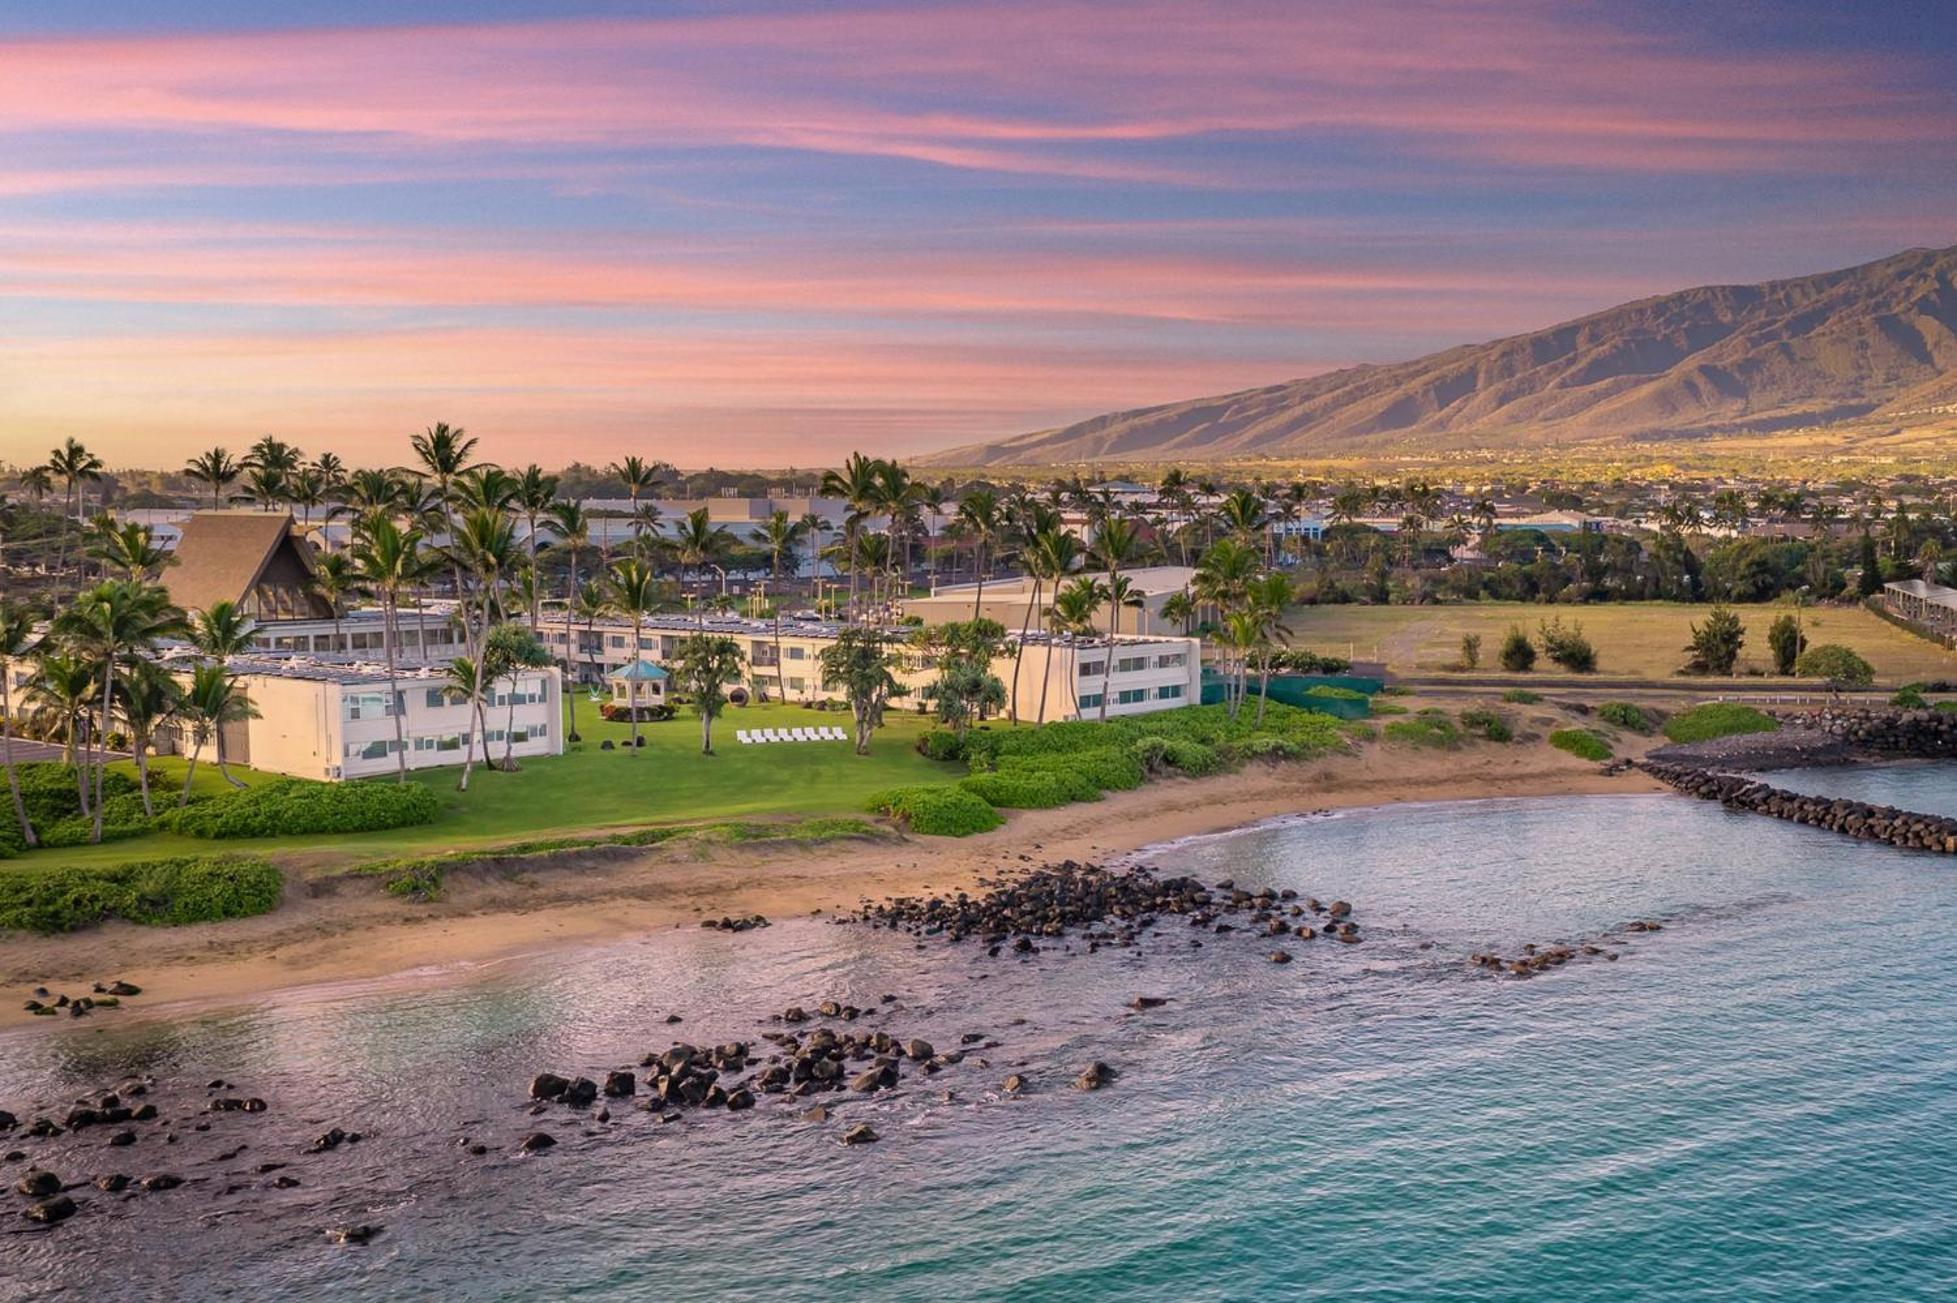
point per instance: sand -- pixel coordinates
(358, 932)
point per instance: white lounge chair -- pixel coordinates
(836, 734)
(801, 735)
(740, 735)
(770, 735)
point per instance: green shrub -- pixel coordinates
(48, 790)
(1624, 714)
(1717, 719)
(1910, 698)
(1427, 729)
(936, 811)
(1521, 697)
(1388, 708)
(1568, 647)
(1194, 758)
(1488, 724)
(1583, 743)
(1518, 654)
(1021, 791)
(1108, 769)
(158, 893)
(941, 744)
(292, 806)
(1947, 707)
(1840, 666)
(1333, 692)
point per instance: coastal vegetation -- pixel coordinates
(1714, 719)
(156, 892)
(1583, 743)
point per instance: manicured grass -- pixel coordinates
(1717, 719)
(588, 790)
(1632, 638)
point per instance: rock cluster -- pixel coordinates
(1112, 907)
(44, 1004)
(1884, 823)
(1929, 734)
(735, 924)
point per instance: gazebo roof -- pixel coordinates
(638, 670)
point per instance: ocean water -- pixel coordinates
(1757, 1102)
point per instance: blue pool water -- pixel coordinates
(1760, 1101)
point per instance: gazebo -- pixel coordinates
(638, 686)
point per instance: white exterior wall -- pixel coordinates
(437, 730)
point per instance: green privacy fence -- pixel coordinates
(1296, 690)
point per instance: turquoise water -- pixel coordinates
(1760, 1101)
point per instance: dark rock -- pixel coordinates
(860, 1134)
(161, 1181)
(618, 1085)
(1094, 1076)
(112, 1182)
(548, 1085)
(535, 1141)
(581, 1092)
(49, 1211)
(121, 1138)
(359, 1234)
(36, 1182)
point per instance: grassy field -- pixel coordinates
(1632, 638)
(590, 790)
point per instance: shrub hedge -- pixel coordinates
(158, 893)
(936, 811)
(297, 806)
(1023, 791)
(1488, 724)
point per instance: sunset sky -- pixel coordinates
(767, 233)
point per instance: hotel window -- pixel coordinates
(1090, 701)
(1130, 664)
(1172, 661)
(1129, 696)
(1169, 692)
(379, 749)
(1091, 669)
(797, 685)
(437, 698)
(364, 705)
(798, 653)
(616, 640)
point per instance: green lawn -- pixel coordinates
(1632, 638)
(587, 789)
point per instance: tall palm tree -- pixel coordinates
(983, 520)
(74, 466)
(858, 484)
(111, 625)
(305, 489)
(147, 698)
(56, 697)
(388, 559)
(16, 632)
(1076, 607)
(1117, 545)
(371, 490)
(484, 548)
(632, 590)
(264, 486)
(535, 498)
(1267, 598)
(216, 468)
(638, 477)
(778, 536)
(699, 543)
(336, 577)
(212, 700)
(1051, 554)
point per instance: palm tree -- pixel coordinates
(111, 624)
(700, 543)
(1117, 543)
(129, 548)
(535, 497)
(638, 477)
(215, 468)
(632, 590)
(1076, 607)
(57, 696)
(859, 484)
(778, 536)
(511, 648)
(147, 700)
(336, 577)
(16, 631)
(1050, 554)
(484, 548)
(590, 605)
(369, 491)
(981, 517)
(1179, 609)
(573, 529)
(212, 701)
(388, 560)
(305, 489)
(706, 665)
(1245, 514)
(1268, 595)
(73, 465)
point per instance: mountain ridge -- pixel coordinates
(1757, 358)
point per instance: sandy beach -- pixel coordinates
(358, 932)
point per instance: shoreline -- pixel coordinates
(579, 900)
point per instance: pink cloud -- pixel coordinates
(1042, 89)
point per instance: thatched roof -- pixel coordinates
(252, 558)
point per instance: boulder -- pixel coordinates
(860, 1134)
(49, 1211)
